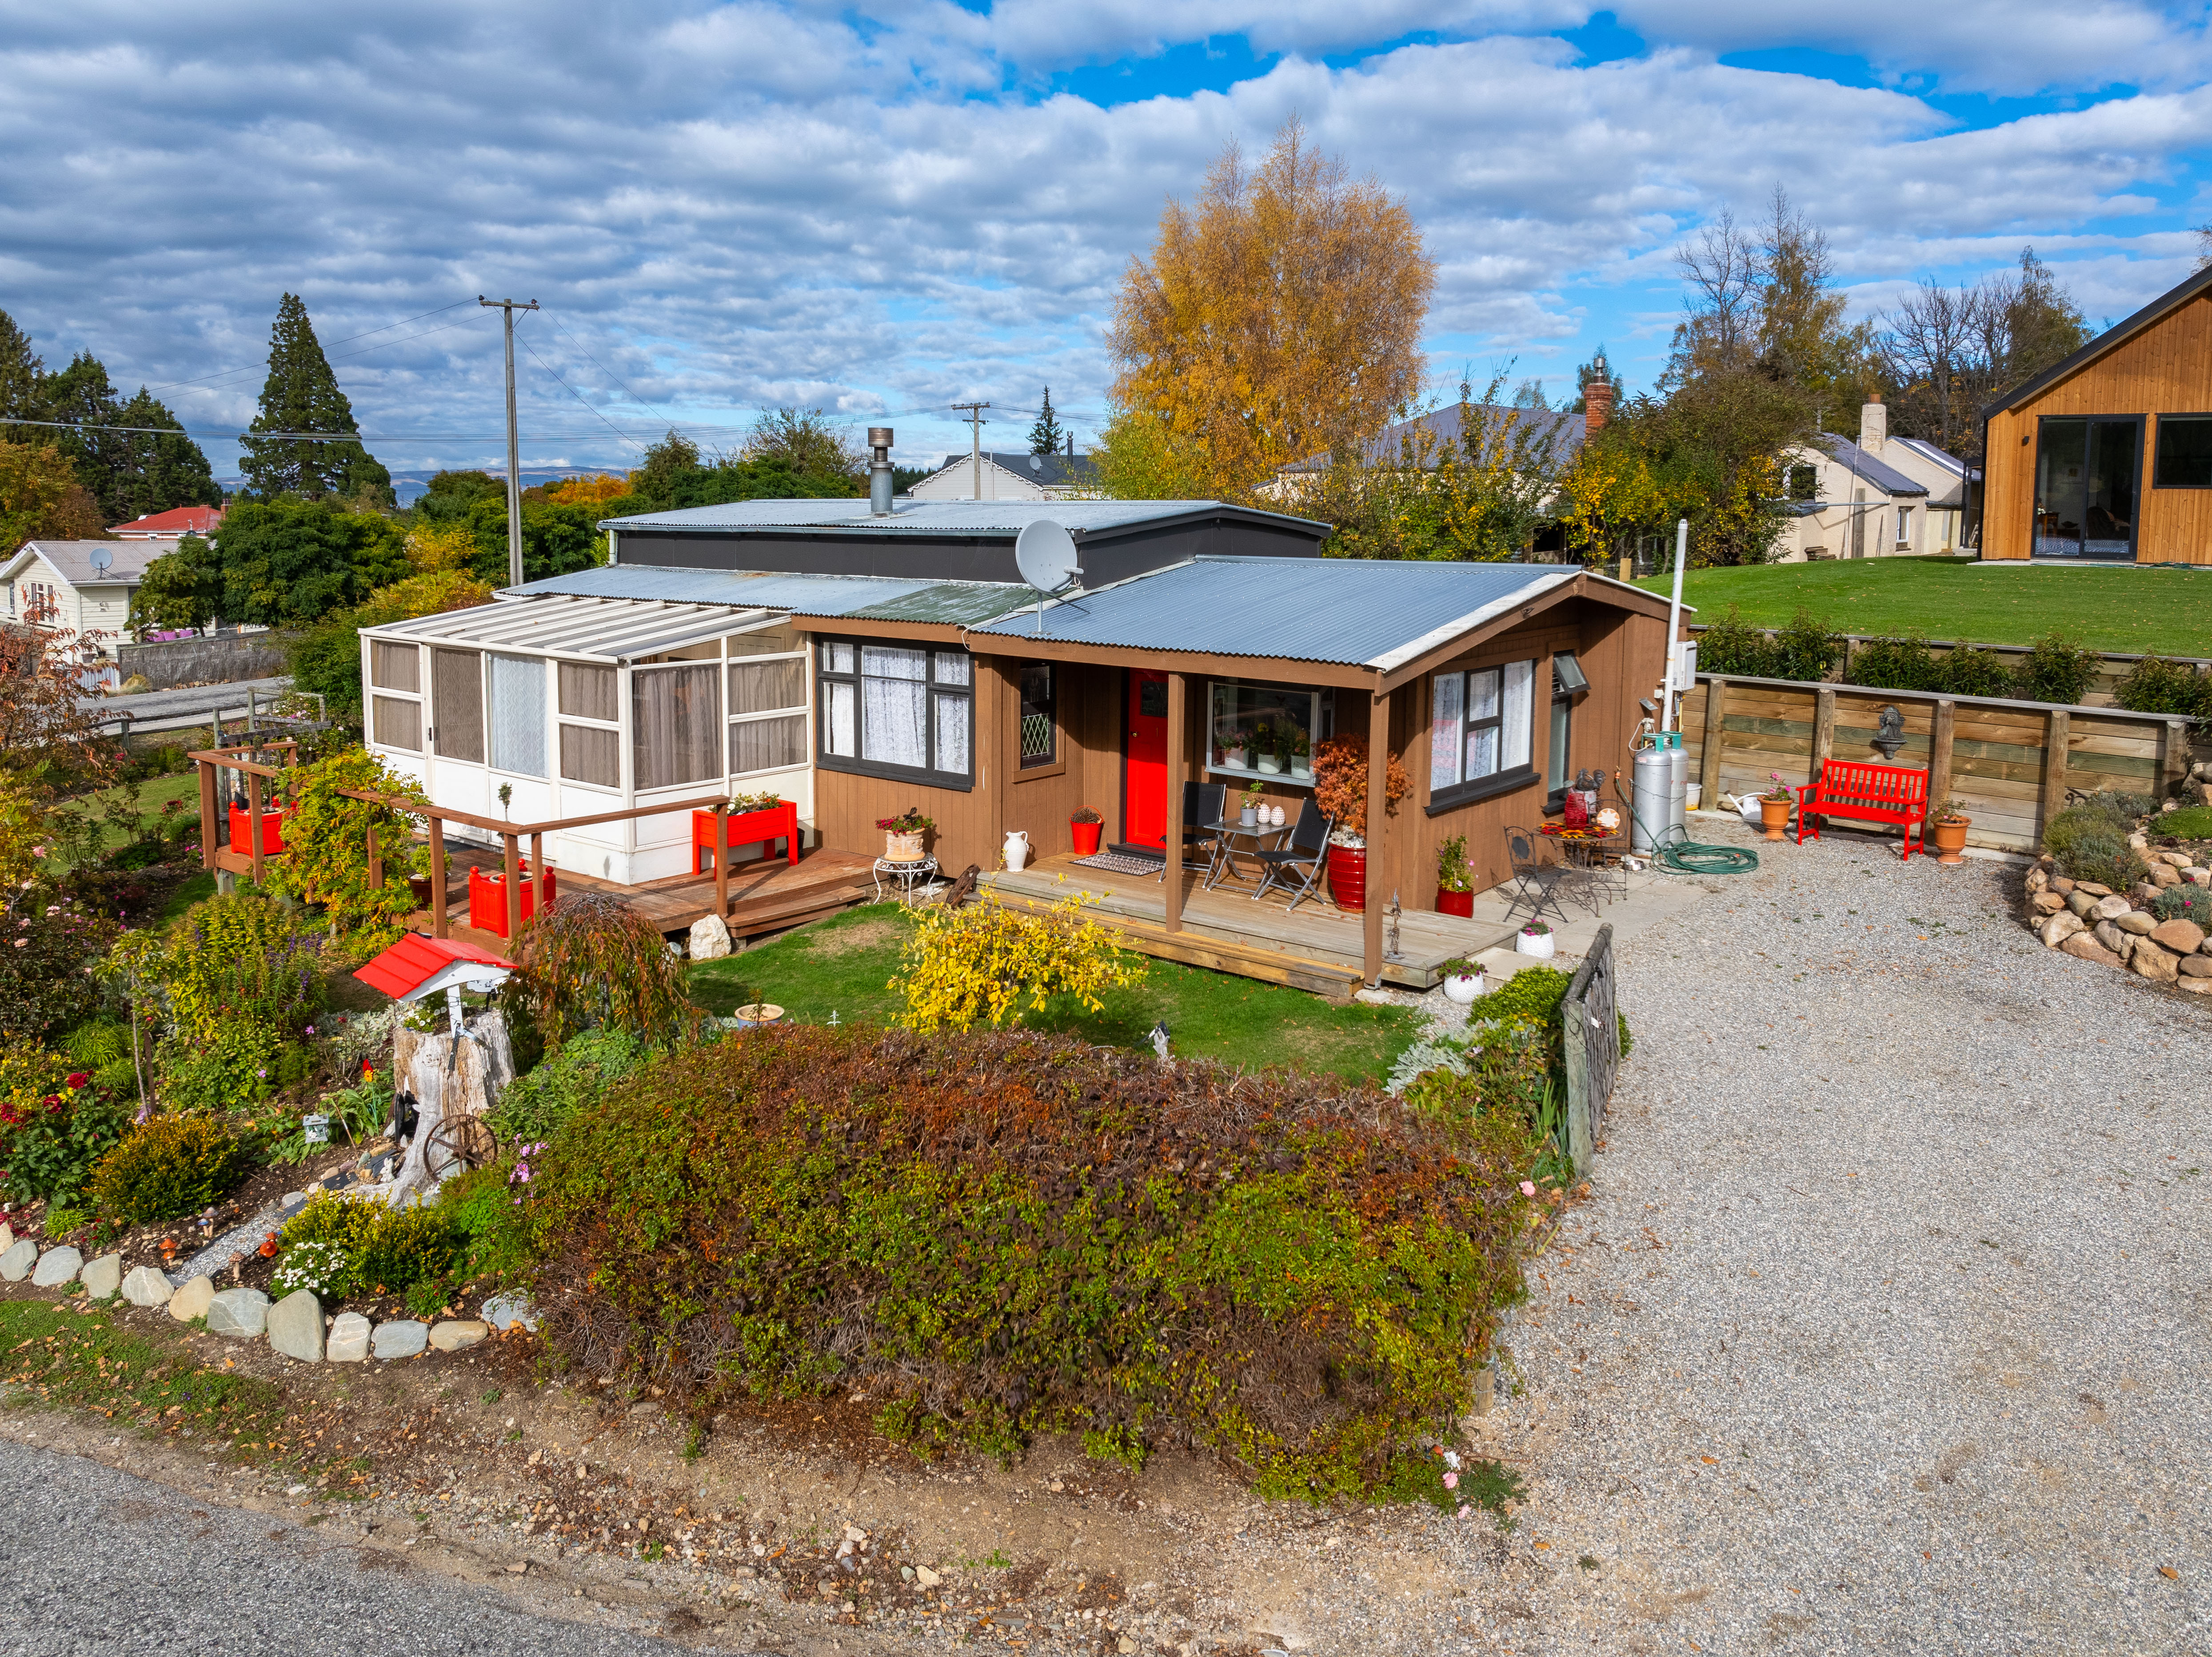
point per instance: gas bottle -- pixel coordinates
(1650, 786)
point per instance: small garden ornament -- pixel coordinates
(1950, 822)
(1774, 806)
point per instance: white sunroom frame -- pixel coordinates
(631, 637)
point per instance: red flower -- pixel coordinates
(78, 1078)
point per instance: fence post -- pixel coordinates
(1939, 752)
(2173, 758)
(253, 819)
(722, 861)
(537, 871)
(207, 824)
(1589, 1036)
(2058, 732)
(1709, 757)
(438, 925)
(1824, 729)
(511, 870)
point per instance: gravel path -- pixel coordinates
(1889, 1326)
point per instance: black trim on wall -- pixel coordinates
(1486, 788)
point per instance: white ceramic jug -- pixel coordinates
(1017, 848)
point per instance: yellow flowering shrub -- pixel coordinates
(990, 963)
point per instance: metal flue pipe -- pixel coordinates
(880, 477)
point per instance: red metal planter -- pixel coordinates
(1086, 838)
(1347, 877)
(487, 896)
(1460, 904)
(241, 831)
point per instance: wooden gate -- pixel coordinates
(1591, 1029)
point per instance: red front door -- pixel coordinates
(1144, 764)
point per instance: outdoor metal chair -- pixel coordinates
(1203, 804)
(1534, 878)
(1300, 861)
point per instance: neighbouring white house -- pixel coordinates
(1879, 497)
(1004, 476)
(84, 586)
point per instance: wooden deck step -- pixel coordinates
(1331, 979)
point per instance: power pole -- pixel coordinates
(975, 446)
(508, 308)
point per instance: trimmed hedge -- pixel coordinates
(1014, 1233)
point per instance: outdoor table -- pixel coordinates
(1590, 853)
(905, 874)
(1224, 856)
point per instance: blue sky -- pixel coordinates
(884, 210)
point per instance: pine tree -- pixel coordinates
(162, 470)
(21, 370)
(82, 394)
(302, 394)
(1047, 436)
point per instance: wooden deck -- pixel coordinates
(1318, 947)
(769, 896)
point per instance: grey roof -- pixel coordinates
(1054, 471)
(1365, 612)
(1566, 427)
(1862, 464)
(1927, 450)
(910, 517)
(816, 596)
(956, 603)
(2118, 334)
(73, 559)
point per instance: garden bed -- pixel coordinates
(2129, 883)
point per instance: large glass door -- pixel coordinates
(2088, 479)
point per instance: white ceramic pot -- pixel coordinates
(1543, 946)
(1270, 764)
(1463, 988)
(1017, 848)
(1250, 816)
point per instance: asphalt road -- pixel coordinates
(93, 1560)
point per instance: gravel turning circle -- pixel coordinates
(1888, 1324)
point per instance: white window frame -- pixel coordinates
(1506, 777)
(803, 654)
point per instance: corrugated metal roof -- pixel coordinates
(1865, 467)
(910, 517)
(594, 628)
(1355, 612)
(958, 603)
(819, 595)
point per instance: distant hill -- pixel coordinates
(409, 486)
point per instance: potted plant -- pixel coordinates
(1951, 823)
(1085, 826)
(1454, 880)
(1341, 791)
(1301, 754)
(1247, 811)
(1537, 939)
(1774, 806)
(1463, 979)
(1264, 751)
(902, 835)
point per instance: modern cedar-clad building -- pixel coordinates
(2107, 456)
(862, 662)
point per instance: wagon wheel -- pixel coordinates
(459, 1143)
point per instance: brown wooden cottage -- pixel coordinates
(2106, 457)
(860, 663)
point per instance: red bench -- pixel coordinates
(1866, 794)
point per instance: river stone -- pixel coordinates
(7, 1236)
(2179, 859)
(401, 1338)
(349, 1341)
(2047, 903)
(147, 1286)
(241, 1313)
(103, 1277)
(17, 1263)
(2165, 875)
(2197, 966)
(2183, 937)
(2112, 938)
(2079, 902)
(56, 1266)
(2151, 962)
(507, 1310)
(2093, 889)
(2082, 946)
(710, 938)
(2112, 908)
(458, 1334)
(295, 1326)
(2195, 986)
(2137, 920)
(2059, 927)
(2061, 884)
(192, 1300)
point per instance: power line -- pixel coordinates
(223, 373)
(579, 396)
(607, 371)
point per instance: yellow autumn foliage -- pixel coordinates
(989, 963)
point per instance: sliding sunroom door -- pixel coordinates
(2088, 486)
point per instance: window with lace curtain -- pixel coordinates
(897, 710)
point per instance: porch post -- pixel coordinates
(1175, 762)
(722, 861)
(376, 862)
(537, 870)
(438, 928)
(511, 867)
(207, 815)
(1379, 773)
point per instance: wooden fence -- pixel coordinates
(1591, 1029)
(2010, 763)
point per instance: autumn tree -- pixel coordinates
(809, 443)
(302, 395)
(1764, 298)
(1278, 317)
(36, 484)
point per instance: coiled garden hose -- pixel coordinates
(1685, 856)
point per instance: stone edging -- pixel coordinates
(2095, 924)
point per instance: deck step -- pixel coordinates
(1328, 979)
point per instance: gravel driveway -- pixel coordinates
(1889, 1326)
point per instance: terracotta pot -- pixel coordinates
(901, 848)
(1347, 877)
(1774, 817)
(1951, 839)
(1086, 838)
(1455, 902)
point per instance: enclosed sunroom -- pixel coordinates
(537, 707)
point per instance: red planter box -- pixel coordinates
(1347, 877)
(749, 828)
(488, 897)
(1455, 902)
(1086, 838)
(241, 832)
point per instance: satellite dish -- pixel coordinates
(101, 559)
(1045, 554)
(1035, 465)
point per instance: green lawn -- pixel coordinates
(2127, 611)
(845, 966)
(153, 793)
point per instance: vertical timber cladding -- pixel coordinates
(2165, 368)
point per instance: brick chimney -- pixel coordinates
(1873, 424)
(1597, 399)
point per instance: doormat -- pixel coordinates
(1122, 862)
